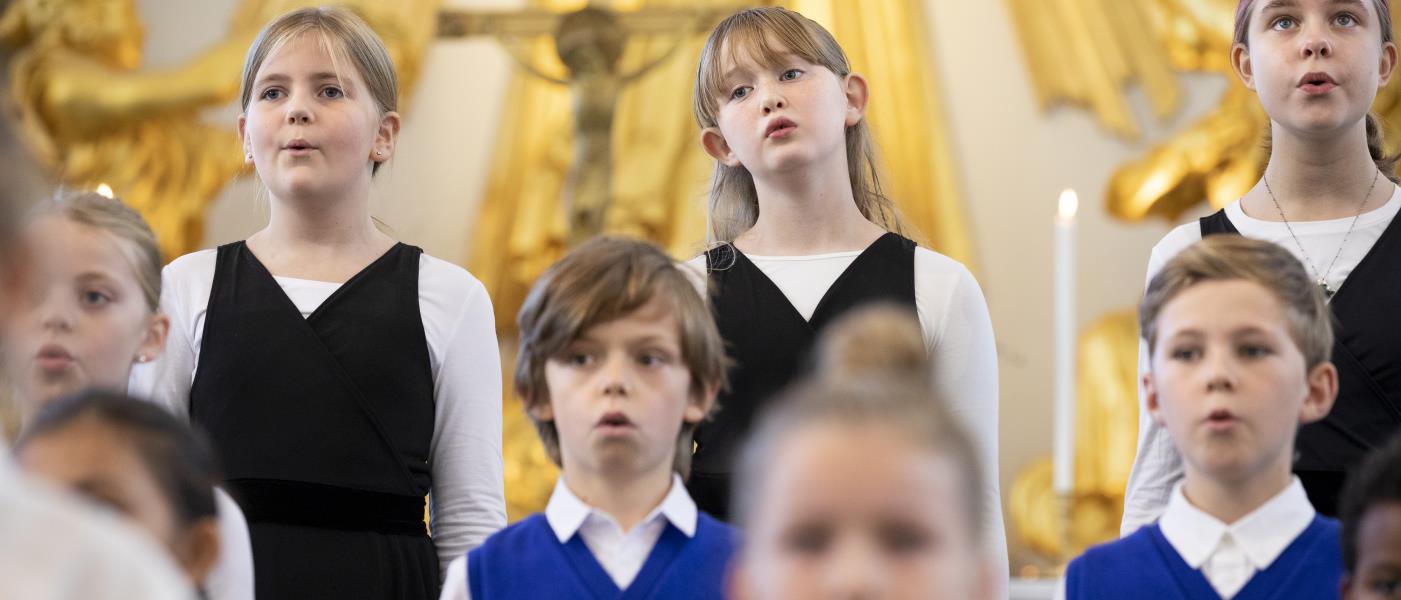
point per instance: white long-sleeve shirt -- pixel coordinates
(1157, 467)
(232, 575)
(468, 501)
(958, 334)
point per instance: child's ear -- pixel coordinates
(1240, 63)
(198, 549)
(1388, 64)
(857, 95)
(386, 136)
(243, 137)
(540, 411)
(1150, 398)
(701, 405)
(1323, 390)
(716, 146)
(153, 341)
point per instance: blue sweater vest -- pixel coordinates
(1145, 566)
(527, 561)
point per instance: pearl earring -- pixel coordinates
(142, 358)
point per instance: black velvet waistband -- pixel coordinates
(328, 506)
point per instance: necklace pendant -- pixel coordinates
(1327, 292)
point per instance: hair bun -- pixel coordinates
(878, 340)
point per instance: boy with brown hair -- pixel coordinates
(619, 361)
(1239, 339)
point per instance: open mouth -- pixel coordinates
(779, 127)
(614, 421)
(299, 146)
(1317, 83)
(1221, 419)
(53, 358)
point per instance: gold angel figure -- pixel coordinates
(92, 115)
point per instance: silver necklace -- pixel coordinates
(1322, 276)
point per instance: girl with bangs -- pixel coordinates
(802, 233)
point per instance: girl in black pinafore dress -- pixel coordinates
(342, 376)
(805, 234)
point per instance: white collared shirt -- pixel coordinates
(621, 554)
(1229, 555)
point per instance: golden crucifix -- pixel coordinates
(589, 42)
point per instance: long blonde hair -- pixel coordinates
(770, 33)
(344, 36)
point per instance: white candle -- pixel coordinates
(1063, 456)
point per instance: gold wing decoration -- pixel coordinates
(1086, 53)
(92, 115)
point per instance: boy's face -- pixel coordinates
(1377, 574)
(1229, 382)
(619, 393)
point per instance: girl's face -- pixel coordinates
(856, 512)
(781, 116)
(1315, 64)
(97, 462)
(313, 131)
(87, 319)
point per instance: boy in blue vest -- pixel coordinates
(1370, 510)
(1239, 339)
(619, 361)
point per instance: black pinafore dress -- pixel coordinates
(323, 425)
(1367, 352)
(769, 341)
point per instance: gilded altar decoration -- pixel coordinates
(92, 115)
(1087, 52)
(545, 188)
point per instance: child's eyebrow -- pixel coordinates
(1274, 4)
(273, 78)
(284, 78)
(95, 276)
